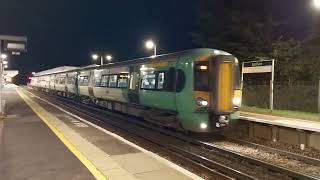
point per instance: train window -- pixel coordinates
(97, 81)
(237, 79)
(56, 80)
(70, 80)
(62, 80)
(160, 80)
(113, 81)
(104, 81)
(123, 80)
(148, 80)
(201, 76)
(134, 81)
(83, 81)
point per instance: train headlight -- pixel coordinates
(202, 102)
(237, 98)
(236, 101)
(203, 126)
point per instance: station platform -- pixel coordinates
(300, 124)
(39, 140)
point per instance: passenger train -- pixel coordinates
(196, 90)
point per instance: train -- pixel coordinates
(195, 90)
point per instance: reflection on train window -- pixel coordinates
(97, 81)
(148, 80)
(201, 77)
(104, 81)
(62, 80)
(160, 80)
(70, 80)
(123, 81)
(83, 81)
(113, 81)
(56, 80)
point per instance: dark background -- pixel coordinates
(65, 32)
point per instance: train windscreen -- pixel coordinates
(201, 76)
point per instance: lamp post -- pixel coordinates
(3, 63)
(96, 57)
(151, 45)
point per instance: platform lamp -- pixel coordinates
(150, 44)
(316, 3)
(96, 57)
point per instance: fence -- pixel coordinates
(300, 96)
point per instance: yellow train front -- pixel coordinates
(215, 94)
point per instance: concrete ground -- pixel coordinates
(29, 150)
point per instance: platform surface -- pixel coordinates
(29, 150)
(281, 121)
(61, 145)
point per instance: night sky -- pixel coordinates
(64, 32)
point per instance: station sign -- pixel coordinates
(264, 66)
(257, 66)
(14, 44)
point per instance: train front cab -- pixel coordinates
(216, 93)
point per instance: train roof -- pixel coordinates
(163, 57)
(56, 70)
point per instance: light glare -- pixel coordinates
(109, 57)
(150, 44)
(236, 101)
(3, 56)
(203, 67)
(5, 62)
(95, 56)
(316, 4)
(203, 125)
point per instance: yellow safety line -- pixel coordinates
(37, 109)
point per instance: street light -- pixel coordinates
(109, 57)
(151, 45)
(96, 57)
(316, 4)
(4, 56)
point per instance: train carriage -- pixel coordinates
(196, 90)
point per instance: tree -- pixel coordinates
(248, 30)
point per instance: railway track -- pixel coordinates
(291, 155)
(179, 142)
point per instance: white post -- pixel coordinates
(1, 74)
(241, 86)
(155, 50)
(101, 58)
(1, 81)
(272, 86)
(319, 96)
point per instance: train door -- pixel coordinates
(75, 83)
(133, 93)
(91, 83)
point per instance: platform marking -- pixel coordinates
(149, 153)
(39, 111)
